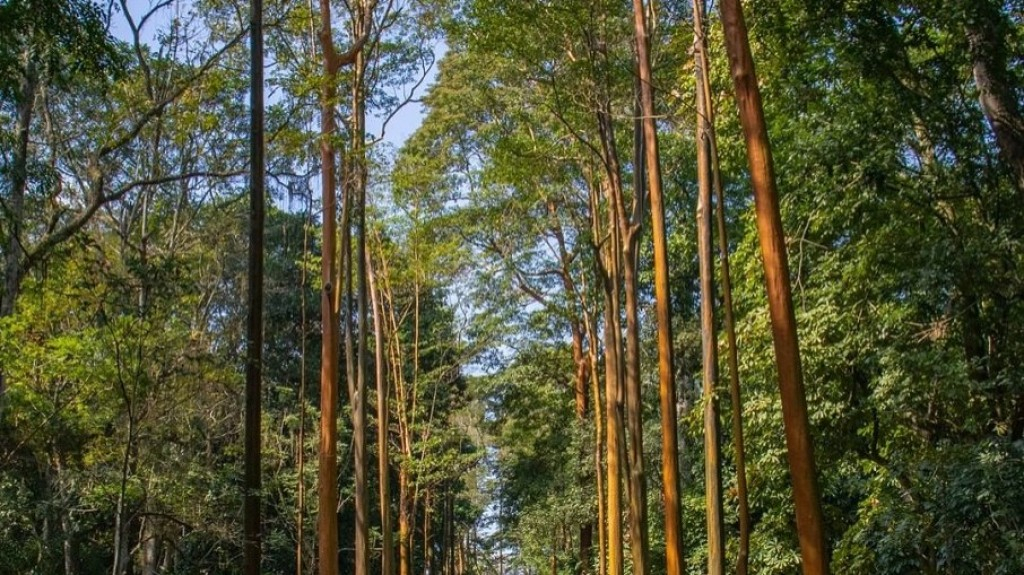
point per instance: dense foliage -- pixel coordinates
(898, 139)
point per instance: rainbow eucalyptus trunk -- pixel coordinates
(743, 552)
(800, 451)
(674, 557)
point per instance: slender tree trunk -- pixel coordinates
(254, 326)
(70, 553)
(633, 405)
(554, 550)
(581, 383)
(18, 183)
(613, 423)
(800, 451)
(405, 519)
(327, 521)
(709, 340)
(742, 559)
(358, 177)
(300, 504)
(120, 544)
(387, 556)
(709, 343)
(599, 448)
(428, 550)
(674, 557)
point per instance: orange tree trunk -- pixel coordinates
(800, 451)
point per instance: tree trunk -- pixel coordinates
(709, 341)
(254, 325)
(800, 451)
(358, 178)
(327, 521)
(599, 448)
(405, 521)
(387, 554)
(743, 553)
(428, 550)
(605, 261)
(674, 558)
(613, 407)
(18, 183)
(987, 31)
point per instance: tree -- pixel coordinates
(666, 372)
(776, 269)
(254, 326)
(709, 340)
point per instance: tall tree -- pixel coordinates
(709, 340)
(674, 557)
(327, 522)
(362, 16)
(800, 451)
(707, 123)
(254, 325)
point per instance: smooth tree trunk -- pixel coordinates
(743, 552)
(327, 520)
(300, 454)
(599, 445)
(736, 400)
(674, 557)
(254, 325)
(605, 257)
(709, 343)
(387, 557)
(622, 285)
(357, 177)
(800, 451)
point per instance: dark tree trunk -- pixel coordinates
(254, 326)
(18, 183)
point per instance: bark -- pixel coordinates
(599, 446)
(712, 447)
(800, 452)
(619, 279)
(606, 261)
(709, 340)
(674, 557)
(634, 408)
(18, 183)
(254, 325)
(327, 520)
(743, 553)
(581, 384)
(383, 469)
(69, 547)
(358, 178)
(428, 549)
(987, 31)
(120, 562)
(300, 504)
(405, 521)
